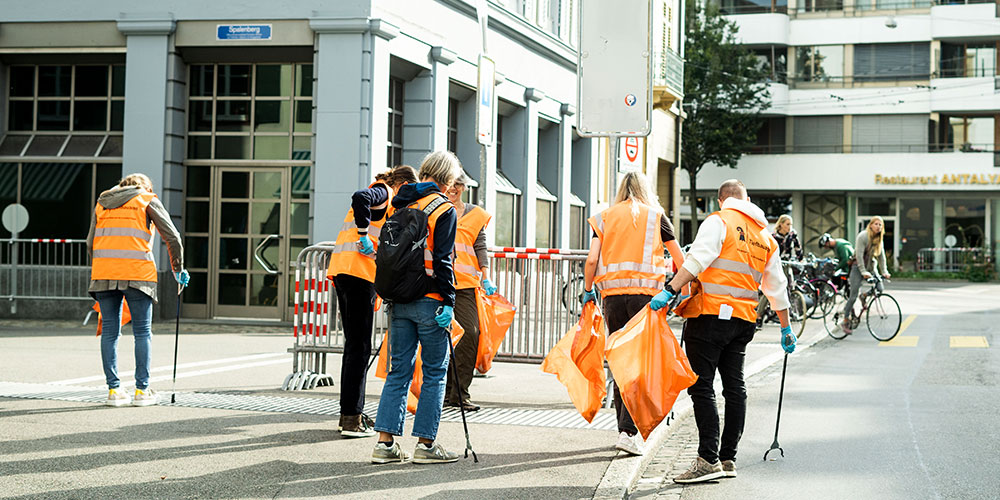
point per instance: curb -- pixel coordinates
(625, 470)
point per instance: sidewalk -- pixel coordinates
(234, 434)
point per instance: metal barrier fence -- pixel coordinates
(546, 286)
(44, 269)
(954, 260)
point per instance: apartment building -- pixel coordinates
(885, 108)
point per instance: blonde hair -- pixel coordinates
(781, 220)
(442, 167)
(399, 175)
(139, 180)
(875, 240)
(635, 189)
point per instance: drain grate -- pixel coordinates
(563, 419)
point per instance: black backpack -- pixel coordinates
(399, 263)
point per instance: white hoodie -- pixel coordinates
(708, 244)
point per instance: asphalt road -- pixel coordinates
(915, 419)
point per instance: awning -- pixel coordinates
(575, 201)
(61, 145)
(505, 186)
(543, 194)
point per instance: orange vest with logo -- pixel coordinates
(431, 224)
(123, 242)
(631, 261)
(346, 258)
(467, 273)
(735, 276)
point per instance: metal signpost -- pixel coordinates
(15, 219)
(485, 100)
(615, 72)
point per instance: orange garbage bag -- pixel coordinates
(496, 314)
(578, 361)
(413, 396)
(649, 367)
(126, 315)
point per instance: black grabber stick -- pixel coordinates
(461, 404)
(781, 394)
(177, 336)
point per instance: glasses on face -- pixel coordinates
(457, 188)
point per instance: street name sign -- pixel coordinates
(226, 32)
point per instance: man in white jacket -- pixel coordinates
(733, 255)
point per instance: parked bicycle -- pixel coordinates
(880, 310)
(797, 308)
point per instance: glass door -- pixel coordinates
(249, 219)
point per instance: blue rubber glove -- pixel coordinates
(365, 245)
(182, 277)
(489, 287)
(661, 299)
(788, 339)
(444, 316)
(589, 295)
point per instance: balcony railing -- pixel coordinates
(967, 67)
(777, 149)
(670, 73)
(809, 6)
(841, 82)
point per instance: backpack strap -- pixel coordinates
(433, 205)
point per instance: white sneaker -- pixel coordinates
(629, 444)
(145, 397)
(117, 397)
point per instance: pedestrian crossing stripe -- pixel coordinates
(968, 341)
(902, 341)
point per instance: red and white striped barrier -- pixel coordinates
(536, 253)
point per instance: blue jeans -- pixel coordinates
(141, 307)
(411, 323)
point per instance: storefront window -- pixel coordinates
(506, 219)
(916, 229)
(544, 217)
(877, 206)
(966, 221)
(773, 206)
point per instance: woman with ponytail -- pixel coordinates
(869, 244)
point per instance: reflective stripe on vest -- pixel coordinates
(346, 258)
(631, 260)
(431, 225)
(466, 266)
(123, 242)
(735, 276)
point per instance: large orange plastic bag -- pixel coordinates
(418, 375)
(125, 319)
(496, 314)
(649, 367)
(578, 361)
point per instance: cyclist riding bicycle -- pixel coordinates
(870, 240)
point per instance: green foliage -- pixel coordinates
(724, 90)
(980, 273)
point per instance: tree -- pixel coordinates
(724, 94)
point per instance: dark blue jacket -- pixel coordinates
(444, 238)
(362, 202)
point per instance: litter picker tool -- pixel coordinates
(781, 394)
(461, 404)
(177, 336)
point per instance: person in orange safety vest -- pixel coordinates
(733, 255)
(120, 244)
(471, 264)
(352, 269)
(627, 267)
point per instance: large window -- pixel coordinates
(394, 153)
(453, 125)
(916, 228)
(818, 134)
(250, 112)
(892, 61)
(65, 111)
(545, 217)
(770, 136)
(822, 63)
(730, 7)
(966, 221)
(967, 133)
(773, 60)
(579, 229)
(968, 59)
(889, 133)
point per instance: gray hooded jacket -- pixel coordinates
(155, 214)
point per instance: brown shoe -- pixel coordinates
(729, 468)
(700, 471)
(356, 426)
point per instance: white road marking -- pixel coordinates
(123, 375)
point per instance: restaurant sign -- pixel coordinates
(971, 179)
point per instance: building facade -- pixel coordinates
(256, 125)
(878, 108)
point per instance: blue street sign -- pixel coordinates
(243, 32)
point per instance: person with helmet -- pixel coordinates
(842, 249)
(627, 266)
(471, 264)
(733, 255)
(352, 269)
(120, 245)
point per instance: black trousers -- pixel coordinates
(714, 344)
(467, 350)
(356, 301)
(618, 309)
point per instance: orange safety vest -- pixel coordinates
(467, 273)
(346, 258)
(123, 242)
(431, 224)
(734, 277)
(631, 261)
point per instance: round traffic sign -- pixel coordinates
(949, 241)
(15, 218)
(632, 148)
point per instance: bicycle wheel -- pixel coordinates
(827, 297)
(797, 313)
(572, 295)
(832, 324)
(883, 317)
